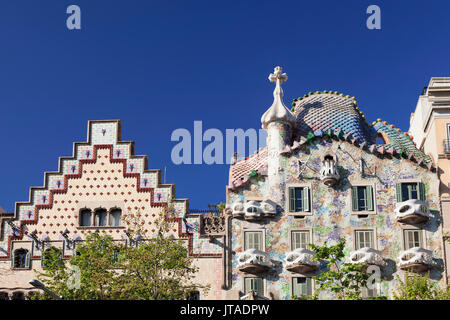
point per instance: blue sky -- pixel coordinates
(160, 65)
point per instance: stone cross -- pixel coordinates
(277, 76)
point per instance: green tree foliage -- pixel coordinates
(343, 279)
(420, 287)
(153, 268)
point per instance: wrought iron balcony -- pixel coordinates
(301, 261)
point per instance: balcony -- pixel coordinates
(328, 172)
(253, 210)
(412, 212)
(368, 256)
(416, 260)
(254, 261)
(301, 261)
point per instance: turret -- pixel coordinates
(278, 122)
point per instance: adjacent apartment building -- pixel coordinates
(430, 127)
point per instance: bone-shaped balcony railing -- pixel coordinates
(412, 211)
(416, 259)
(253, 260)
(367, 256)
(301, 261)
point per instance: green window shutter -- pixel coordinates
(357, 244)
(13, 259)
(398, 188)
(355, 206)
(295, 240)
(291, 199)
(305, 199)
(370, 196)
(27, 260)
(421, 191)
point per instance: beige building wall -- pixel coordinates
(428, 126)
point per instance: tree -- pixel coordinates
(420, 287)
(146, 268)
(341, 278)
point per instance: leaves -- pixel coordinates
(345, 280)
(155, 267)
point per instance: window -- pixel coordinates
(115, 216)
(255, 284)
(413, 238)
(85, 217)
(298, 199)
(410, 190)
(364, 239)
(301, 287)
(299, 239)
(4, 295)
(50, 255)
(362, 198)
(21, 259)
(100, 217)
(253, 240)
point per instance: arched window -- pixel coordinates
(50, 255)
(85, 217)
(115, 216)
(100, 217)
(21, 259)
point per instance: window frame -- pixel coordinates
(263, 238)
(374, 198)
(411, 228)
(421, 192)
(263, 281)
(308, 230)
(292, 284)
(374, 233)
(310, 197)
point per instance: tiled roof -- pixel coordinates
(330, 113)
(241, 171)
(325, 111)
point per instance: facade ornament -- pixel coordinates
(278, 111)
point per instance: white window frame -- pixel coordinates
(309, 230)
(291, 285)
(263, 237)
(374, 232)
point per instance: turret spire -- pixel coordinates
(278, 111)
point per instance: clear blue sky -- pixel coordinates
(160, 65)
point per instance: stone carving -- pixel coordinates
(253, 210)
(301, 261)
(417, 260)
(328, 172)
(254, 261)
(213, 225)
(412, 211)
(367, 256)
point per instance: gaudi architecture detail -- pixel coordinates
(325, 174)
(331, 175)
